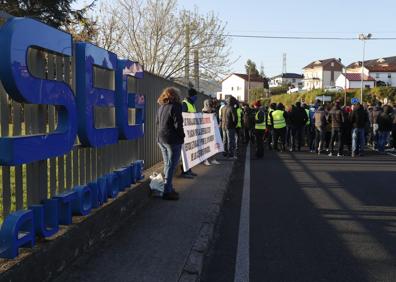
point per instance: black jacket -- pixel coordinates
(385, 120)
(359, 118)
(248, 118)
(298, 117)
(170, 124)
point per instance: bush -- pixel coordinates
(370, 96)
(279, 90)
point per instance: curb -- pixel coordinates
(194, 265)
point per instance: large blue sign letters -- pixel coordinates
(17, 36)
(89, 96)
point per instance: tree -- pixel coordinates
(251, 68)
(57, 13)
(162, 38)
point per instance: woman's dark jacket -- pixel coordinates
(170, 124)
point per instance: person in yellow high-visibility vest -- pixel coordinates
(270, 137)
(259, 129)
(188, 106)
(278, 121)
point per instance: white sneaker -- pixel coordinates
(207, 163)
(330, 155)
(215, 162)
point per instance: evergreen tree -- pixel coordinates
(57, 13)
(251, 66)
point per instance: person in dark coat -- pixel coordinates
(336, 119)
(248, 123)
(384, 120)
(229, 122)
(359, 120)
(169, 121)
(373, 116)
(298, 120)
(320, 128)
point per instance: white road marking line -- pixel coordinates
(242, 257)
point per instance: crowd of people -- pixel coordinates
(327, 128)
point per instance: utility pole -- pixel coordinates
(247, 98)
(196, 69)
(187, 55)
(284, 63)
(363, 37)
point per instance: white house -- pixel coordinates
(294, 80)
(383, 70)
(322, 73)
(237, 85)
(353, 80)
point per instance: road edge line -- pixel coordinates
(242, 263)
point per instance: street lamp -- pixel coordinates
(363, 37)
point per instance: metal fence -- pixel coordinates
(23, 185)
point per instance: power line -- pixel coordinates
(303, 37)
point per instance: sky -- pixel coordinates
(320, 18)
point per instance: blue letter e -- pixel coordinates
(17, 35)
(89, 96)
(126, 99)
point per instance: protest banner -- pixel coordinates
(202, 138)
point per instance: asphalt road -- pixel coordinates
(312, 218)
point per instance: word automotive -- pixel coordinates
(75, 112)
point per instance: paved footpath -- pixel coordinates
(154, 246)
(312, 218)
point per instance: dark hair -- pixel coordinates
(192, 92)
(168, 96)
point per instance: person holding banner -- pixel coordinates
(188, 106)
(170, 136)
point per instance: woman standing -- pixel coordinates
(170, 136)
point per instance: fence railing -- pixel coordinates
(23, 185)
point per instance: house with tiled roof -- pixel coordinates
(383, 70)
(238, 85)
(294, 80)
(354, 81)
(322, 74)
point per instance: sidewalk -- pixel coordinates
(155, 245)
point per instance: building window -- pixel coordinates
(238, 88)
(332, 64)
(232, 88)
(389, 75)
(294, 80)
(377, 75)
(221, 96)
(239, 98)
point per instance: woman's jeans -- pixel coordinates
(171, 155)
(383, 137)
